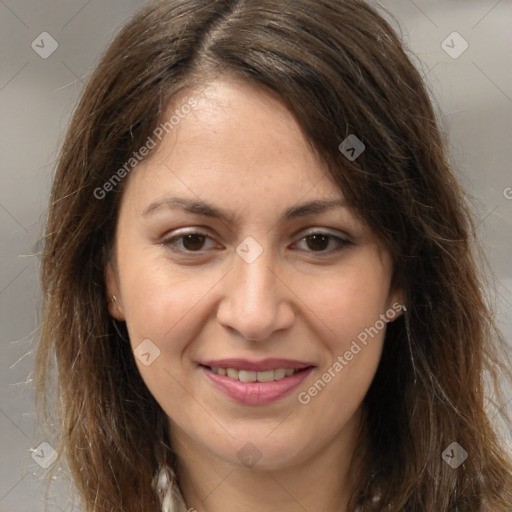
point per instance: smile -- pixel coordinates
(252, 376)
(256, 383)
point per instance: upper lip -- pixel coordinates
(257, 366)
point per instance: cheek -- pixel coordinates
(165, 308)
(165, 303)
(348, 304)
(341, 383)
(347, 312)
(153, 298)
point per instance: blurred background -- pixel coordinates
(47, 50)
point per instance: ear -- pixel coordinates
(396, 306)
(115, 303)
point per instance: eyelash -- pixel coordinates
(171, 242)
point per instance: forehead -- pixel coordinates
(237, 134)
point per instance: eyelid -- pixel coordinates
(325, 231)
(341, 238)
(169, 239)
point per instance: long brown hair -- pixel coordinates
(341, 69)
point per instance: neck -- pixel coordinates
(322, 482)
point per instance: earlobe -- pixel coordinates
(396, 306)
(115, 309)
(115, 306)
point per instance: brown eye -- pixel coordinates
(189, 242)
(193, 242)
(318, 242)
(321, 242)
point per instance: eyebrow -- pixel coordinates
(201, 207)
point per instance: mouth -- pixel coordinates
(253, 376)
(256, 383)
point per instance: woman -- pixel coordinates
(258, 275)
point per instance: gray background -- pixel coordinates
(37, 97)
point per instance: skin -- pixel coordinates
(241, 150)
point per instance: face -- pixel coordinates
(254, 298)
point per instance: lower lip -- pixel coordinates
(257, 393)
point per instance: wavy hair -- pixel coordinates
(341, 69)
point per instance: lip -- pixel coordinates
(258, 366)
(256, 393)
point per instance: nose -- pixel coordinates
(256, 302)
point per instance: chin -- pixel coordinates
(262, 450)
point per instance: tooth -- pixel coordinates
(246, 376)
(267, 376)
(252, 376)
(279, 373)
(232, 373)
